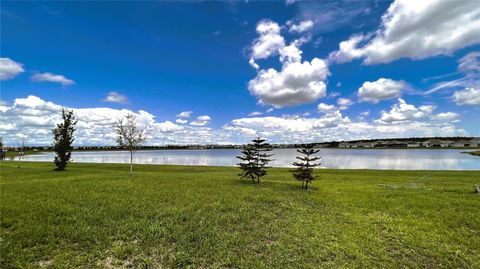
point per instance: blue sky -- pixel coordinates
(413, 73)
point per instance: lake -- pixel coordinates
(400, 159)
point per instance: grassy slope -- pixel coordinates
(475, 153)
(98, 216)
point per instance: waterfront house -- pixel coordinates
(436, 143)
(413, 144)
(344, 145)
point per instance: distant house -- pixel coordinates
(364, 144)
(475, 142)
(344, 145)
(394, 144)
(472, 143)
(436, 143)
(414, 144)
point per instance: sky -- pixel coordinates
(221, 72)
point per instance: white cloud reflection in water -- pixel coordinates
(399, 159)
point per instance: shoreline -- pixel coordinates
(236, 167)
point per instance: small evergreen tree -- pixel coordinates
(255, 160)
(304, 170)
(63, 139)
(248, 166)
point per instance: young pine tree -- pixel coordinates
(262, 158)
(304, 170)
(255, 160)
(63, 139)
(248, 164)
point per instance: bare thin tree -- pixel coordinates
(129, 135)
(21, 141)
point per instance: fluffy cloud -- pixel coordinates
(185, 114)
(36, 118)
(201, 121)
(9, 69)
(344, 103)
(416, 30)
(322, 107)
(297, 83)
(403, 112)
(382, 89)
(331, 125)
(447, 116)
(292, 124)
(469, 96)
(300, 27)
(406, 112)
(49, 77)
(268, 42)
(115, 97)
(180, 121)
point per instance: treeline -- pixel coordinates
(415, 139)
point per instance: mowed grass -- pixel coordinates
(97, 216)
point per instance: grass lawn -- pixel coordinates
(11, 153)
(96, 215)
(475, 153)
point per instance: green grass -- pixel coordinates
(96, 215)
(474, 153)
(11, 153)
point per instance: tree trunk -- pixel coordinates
(131, 162)
(19, 160)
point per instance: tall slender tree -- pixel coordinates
(255, 160)
(304, 169)
(63, 139)
(129, 135)
(21, 142)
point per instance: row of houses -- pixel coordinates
(430, 143)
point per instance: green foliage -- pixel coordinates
(255, 160)
(95, 216)
(63, 139)
(304, 170)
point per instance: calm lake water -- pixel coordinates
(401, 159)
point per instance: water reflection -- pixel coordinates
(401, 159)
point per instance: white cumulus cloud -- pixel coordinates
(201, 121)
(9, 69)
(382, 89)
(49, 77)
(416, 30)
(115, 97)
(406, 112)
(469, 96)
(300, 27)
(35, 117)
(268, 42)
(185, 114)
(297, 83)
